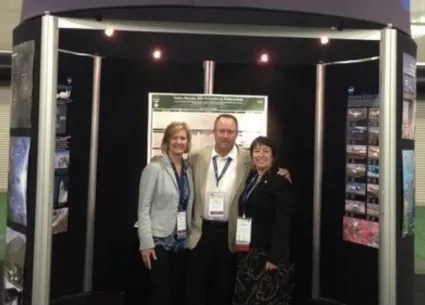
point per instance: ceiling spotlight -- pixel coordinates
(264, 58)
(324, 40)
(109, 32)
(157, 54)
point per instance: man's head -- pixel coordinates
(225, 132)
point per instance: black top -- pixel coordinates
(270, 207)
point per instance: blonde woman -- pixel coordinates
(165, 209)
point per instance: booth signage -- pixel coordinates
(384, 12)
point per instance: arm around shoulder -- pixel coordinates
(147, 187)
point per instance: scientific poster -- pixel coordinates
(361, 221)
(22, 84)
(17, 187)
(409, 97)
(409, 182)
(200, 112)
(14, 267)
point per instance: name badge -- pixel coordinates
(181, 225)
(243, 234)
(216, 205)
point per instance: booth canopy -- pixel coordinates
(381, 12)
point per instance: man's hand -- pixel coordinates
(285, 173)
(156, 158)
(270, 266)
(147, 256)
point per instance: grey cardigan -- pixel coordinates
(158, 201)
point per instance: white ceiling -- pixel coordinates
(10, 14)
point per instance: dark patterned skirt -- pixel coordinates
(256, 286)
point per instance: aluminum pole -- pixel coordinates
(45, 161)
(91, 202)
(209, 67)
(318, 172)
(388, 166)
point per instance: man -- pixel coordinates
(220, 172)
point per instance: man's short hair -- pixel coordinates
(227, 116)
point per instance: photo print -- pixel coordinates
(61, 117)
(355, 207)
(373, 171)
(372, 210)
(62, 159)
(14, 260)
(355, 188)
(357, 116)
(373, 152)
(409, 181)
(60, 220)
(61, 188)
(356, 151)
(372, 190)
(17, 186)
(355, 170)
(361, 231)
(409, 97)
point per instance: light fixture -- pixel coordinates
(109, 32)
(156, 54)
(324, 40)
(264, 58)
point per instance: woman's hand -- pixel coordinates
(270, 266)
(147, 255)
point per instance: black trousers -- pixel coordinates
(212, 268)
(167, 277)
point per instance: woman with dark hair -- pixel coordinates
(262, 238)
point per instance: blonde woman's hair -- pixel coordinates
(171, 131)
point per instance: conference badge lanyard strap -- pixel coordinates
(216, 199)
(181, 213)
(244, 224)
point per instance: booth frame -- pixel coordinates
(50, 29)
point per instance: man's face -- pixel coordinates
(225, 133)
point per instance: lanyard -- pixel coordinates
(226, 166)
(181, 184)
(248, 191)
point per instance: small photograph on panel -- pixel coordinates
(356, 207)
(61, 188)
(360, 231)
(356, 151)
(373, 171)
(372, 210)
(373, 190)
(355, 188)
(61, 119)
(14, 260)
(61, 159)
(374, 117)
(60, 220)
(373, 152)
(357, 116)
(355, 170)
(356, 133)
(373, 133)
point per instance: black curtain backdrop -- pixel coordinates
(349, 272)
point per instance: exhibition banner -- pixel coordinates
(361, 220)
(19, 151)
(409, 182)
(395, 12)
(199, 111)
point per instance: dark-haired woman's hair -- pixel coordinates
(265, 142)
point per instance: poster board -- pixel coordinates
(361, 220)
(199, 111)
(408, 162)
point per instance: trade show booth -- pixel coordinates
(339, 102)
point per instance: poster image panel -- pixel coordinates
(60, 220)
(17, 186)
(361, 231)
(199, 111)
(22, 84)
(408, 192)
(409, 97)
(14, 266)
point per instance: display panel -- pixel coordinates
(409, 97)
(409, 182)
(361, 221)
(22, 84)
(199, 111)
